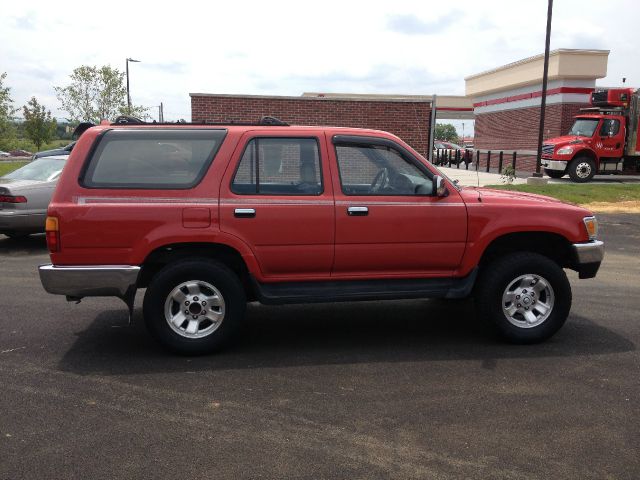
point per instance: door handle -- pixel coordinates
(358, 211)
(244, 212)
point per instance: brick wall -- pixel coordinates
(518, 129)
(410, 120)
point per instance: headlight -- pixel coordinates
(565, 151)
(591, 225)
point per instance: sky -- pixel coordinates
(287, 48)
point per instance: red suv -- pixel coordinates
(208, 217)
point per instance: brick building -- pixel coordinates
(506, 100)
(408, 116)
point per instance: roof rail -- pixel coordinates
(266, 120)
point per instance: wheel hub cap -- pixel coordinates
(528, 301)
(194, 309)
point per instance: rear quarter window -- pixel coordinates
(151, 159)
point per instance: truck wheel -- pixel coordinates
(554, 173)
(582, 169)
(194, 306)
(526, 296)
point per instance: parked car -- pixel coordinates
(4, 154)
(207, 217)
(66, 150)
(25, 194)
(19, 153)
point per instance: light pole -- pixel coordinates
(128, 95)
(543, 102)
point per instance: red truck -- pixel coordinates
(208, 217)
(603, 138)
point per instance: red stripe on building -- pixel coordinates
(525, 96)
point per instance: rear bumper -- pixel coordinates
(89, 280)
(553, 164)
(588, 257)
(13, 221)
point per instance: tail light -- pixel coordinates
(12, 199)
(52, 233)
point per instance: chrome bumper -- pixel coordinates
(554, 164)
(89, 281)
(588, 257)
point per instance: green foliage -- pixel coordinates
(581, 194)
(508, 175)
(39, 127)
(446, 132)
(96, 93)
(7, 131)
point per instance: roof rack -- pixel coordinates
(266, 120)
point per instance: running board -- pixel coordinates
(349, 291)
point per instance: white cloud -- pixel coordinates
(287, 47)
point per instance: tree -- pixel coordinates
(39, 127)
(96, 93)
(446, 132)
(7, 130)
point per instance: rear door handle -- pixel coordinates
(358, 211)
(244, 212)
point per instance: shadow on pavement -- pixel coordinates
(30, 244)
(349, 333)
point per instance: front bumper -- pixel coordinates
(553, 164)
(588, 257)
(89, 280)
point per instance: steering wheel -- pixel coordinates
(380, 181)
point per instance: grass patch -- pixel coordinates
(7, 167)
(581, 194)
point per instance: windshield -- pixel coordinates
(584, 127)
(43, 169)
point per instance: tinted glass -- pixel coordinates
(152, 158)
(279, 166)
(609, 127)
(375, 170)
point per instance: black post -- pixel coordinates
(477, 160)
(128, 96)
(488, 160)
(513, 162)
(500, 162)
(543, 103)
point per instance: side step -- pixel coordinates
(348, 291)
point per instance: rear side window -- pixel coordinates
(152, 159)
(279, 166)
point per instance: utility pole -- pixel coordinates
(432, 130)
(543, 103)
(128, 94)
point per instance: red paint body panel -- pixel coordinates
(293, 238)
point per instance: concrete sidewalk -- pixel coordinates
(471, 178)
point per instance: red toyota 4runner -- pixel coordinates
(208, 217)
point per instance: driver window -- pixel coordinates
(609, 127)
(378, 170)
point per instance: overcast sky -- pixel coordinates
(287, 48)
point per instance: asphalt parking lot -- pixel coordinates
(403, 389)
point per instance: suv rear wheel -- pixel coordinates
(526, 296)
(194, 306)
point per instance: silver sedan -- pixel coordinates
(25, 194)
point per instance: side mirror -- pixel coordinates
(439, 187)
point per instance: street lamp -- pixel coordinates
(128, 95)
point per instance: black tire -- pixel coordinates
(554, 173)
(491, 289)
(226, 285)
(582, 169)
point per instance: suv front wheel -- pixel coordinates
(194, 306)
(526, 296)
